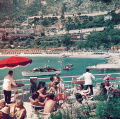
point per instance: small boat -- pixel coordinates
(41, 71)
(68, 67)
(60, 61)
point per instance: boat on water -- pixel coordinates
(68, 67)
(60, 61)
(41, 71)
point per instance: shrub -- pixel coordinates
(109, 109)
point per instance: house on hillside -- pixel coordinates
(107, 17)
(115, 47)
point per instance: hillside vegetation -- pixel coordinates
(17, 12)
(56, 7)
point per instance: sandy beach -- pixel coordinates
(65, 54)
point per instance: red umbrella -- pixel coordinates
(61, 96)
(14, 61)
(110, 78)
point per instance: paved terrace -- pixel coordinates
(24, 91)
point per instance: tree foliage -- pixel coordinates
(48, 21)
(109, 109)
(107, 38)
(33, 9)
(105, 1)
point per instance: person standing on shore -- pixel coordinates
(7, 85)
(88, 77)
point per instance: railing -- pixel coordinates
(66, 80)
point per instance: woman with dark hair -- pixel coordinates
(42, 94)
(54, 88)
(33, 86)
(103, 90)
(79, 97)
(35, 101)
(43, 84)
(39, 85)
(51, 83)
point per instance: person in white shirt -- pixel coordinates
(7, 85)
(88, 77)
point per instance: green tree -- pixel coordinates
(66, 40)
(33, 9)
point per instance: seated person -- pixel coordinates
(5, 113)
(79, 98)
(35, 101)
(19, 111)
(57, 78)
(81, 87)
(33, 86)
(103, 90)
(55, 84)
(107, 85)
(49, 104)
(41, 84)
(2, 104)
(54, 88)
(51, 83)
(42, 94)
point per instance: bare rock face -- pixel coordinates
(82, 6)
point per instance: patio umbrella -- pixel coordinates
(78, 82)
(14, 61)
(61, 96)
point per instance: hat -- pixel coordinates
(6, 110)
